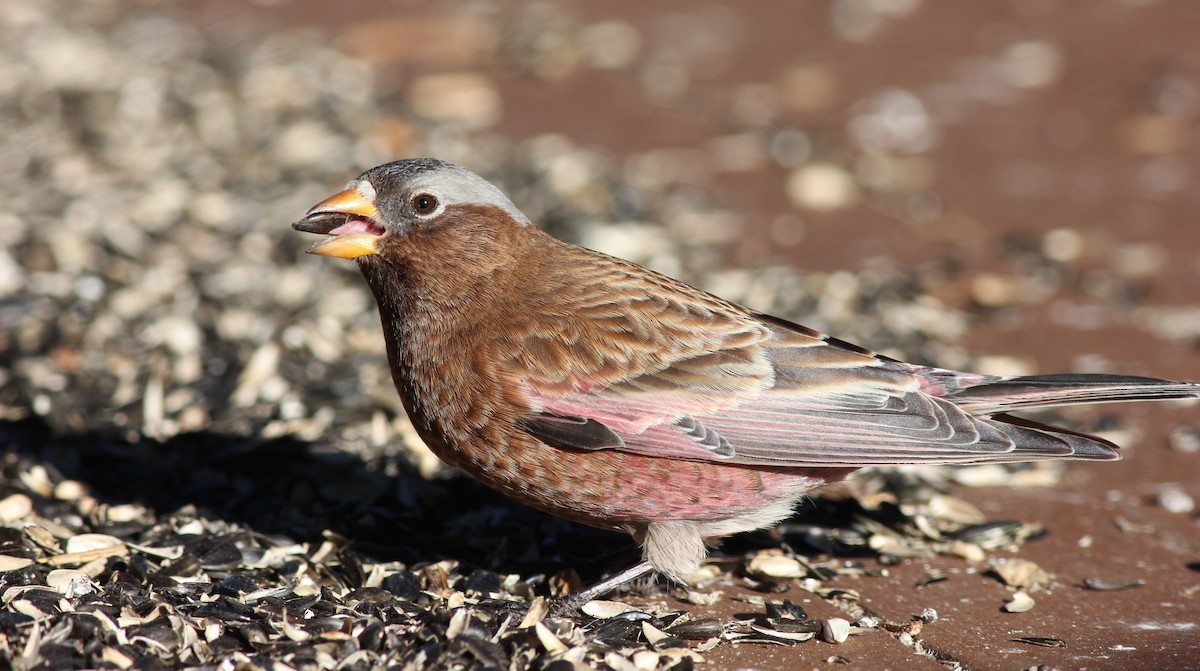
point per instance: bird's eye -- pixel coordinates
(424, 203)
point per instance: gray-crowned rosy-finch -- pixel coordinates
(592, 388)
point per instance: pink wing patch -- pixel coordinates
(820, 414)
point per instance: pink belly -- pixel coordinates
(609, 488)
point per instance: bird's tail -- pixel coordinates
(1043, 391)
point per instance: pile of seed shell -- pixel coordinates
(205, 464)
(85, 582)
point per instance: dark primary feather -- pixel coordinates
(1044, 391)
(572, 433)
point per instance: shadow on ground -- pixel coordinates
(292, 489)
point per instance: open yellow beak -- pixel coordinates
(347, 246)
(347, 210)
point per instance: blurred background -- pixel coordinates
(1008, 187)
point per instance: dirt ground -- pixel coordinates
(1031, 166)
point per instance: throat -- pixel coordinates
(412, 311)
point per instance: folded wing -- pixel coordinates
(815, 401)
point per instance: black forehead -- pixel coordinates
(399, 172)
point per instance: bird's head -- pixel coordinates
(398, 202)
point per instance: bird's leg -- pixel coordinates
(575, 601)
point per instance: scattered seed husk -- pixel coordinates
(1042, 641)
(785, 610)
(698, 630)
(676, 654)
(602, 610)
(89, 542)
(759, 638)
(895, 545)
(1006, 534)
(786, 635)
(43, 538)
(15, 507)
(1019, 602)
(10, 563)
(117, 658)
(1111, 585)
(954, 509)
(538, 610)
(968, 551)
(1127, 526)
(911, 628)
(66, 559)
(930, 580)
(869, 622)
(653, 634)
(1020, 573)
(835, 630)
(70, 582)
(774, 564)
(549, 641)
